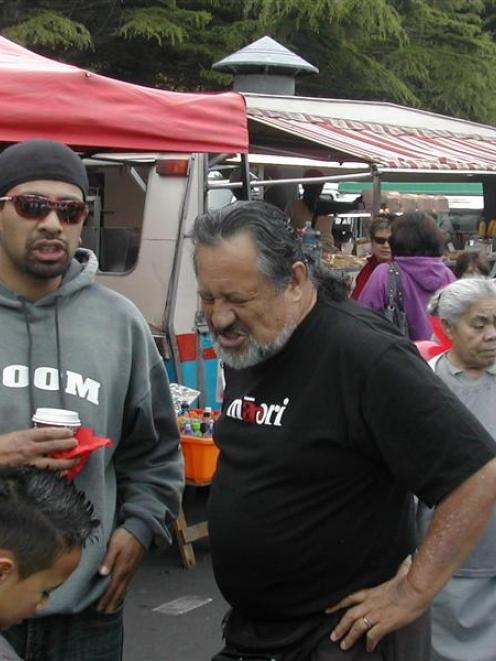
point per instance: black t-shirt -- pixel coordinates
(321, 448)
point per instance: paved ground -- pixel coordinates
(191, 636)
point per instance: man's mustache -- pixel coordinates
(233, 329)
(48, 237)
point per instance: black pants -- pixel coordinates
(86, 636)
(411, 643)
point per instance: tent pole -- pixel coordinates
(245, 177)
(376, 189)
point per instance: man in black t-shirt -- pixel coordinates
(330, 422)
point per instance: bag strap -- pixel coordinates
(395, 294)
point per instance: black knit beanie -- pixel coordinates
(41, 159)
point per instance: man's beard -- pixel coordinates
(254, 353)
(45, 270)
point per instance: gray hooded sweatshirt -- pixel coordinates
(7, 652)
(86, 348)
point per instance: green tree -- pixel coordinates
(434, 54)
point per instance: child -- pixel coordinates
(44, 523)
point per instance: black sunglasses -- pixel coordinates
(380, 240)
(37, 207)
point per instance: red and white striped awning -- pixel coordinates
(388, 146)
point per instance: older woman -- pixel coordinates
(417, 245)
(464, 613)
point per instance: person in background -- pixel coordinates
(319, 211)
(380, 232)
(308, 209)
(44, 524)
(471, 265)
(417, 246)
(464, 612)
(321, 446)
(67, 342)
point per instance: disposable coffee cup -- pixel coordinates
(57, 418)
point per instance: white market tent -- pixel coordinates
(383, 136)
(375, 141)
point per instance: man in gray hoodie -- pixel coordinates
(70, 343)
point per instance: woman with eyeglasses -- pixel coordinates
(464, 612)
(417, 246)
(379, 231)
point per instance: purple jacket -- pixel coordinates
(421, 277)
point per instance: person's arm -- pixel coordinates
(149, 462)
(149, 470)
(34, 447)
(457, 524)
(374, 292)
(433, 446)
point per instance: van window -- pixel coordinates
(229, 172)
(113, 228)
(219, 197)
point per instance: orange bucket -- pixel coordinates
(200, 458)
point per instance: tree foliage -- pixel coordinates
(434, 54)
(51, 30)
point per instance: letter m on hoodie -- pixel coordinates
(85, 388)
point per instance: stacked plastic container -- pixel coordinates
(199, 449)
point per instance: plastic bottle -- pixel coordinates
(311, 243)
(184, 418)
(195, 427)
(204, 427)
(180, 423)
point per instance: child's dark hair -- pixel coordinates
(42, 516)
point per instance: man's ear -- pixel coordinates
(7, 564)
(299, 279)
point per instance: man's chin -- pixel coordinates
(234, 358)
(46, 271)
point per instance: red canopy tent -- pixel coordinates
(42, 98)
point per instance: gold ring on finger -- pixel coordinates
(366, 622)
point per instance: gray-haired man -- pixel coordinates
(330, 422)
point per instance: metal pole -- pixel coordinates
(256, 183)
(245, 177)
(376, 193)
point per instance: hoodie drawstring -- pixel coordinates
(59, 355)
(30, 355)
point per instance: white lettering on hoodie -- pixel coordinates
(47, 378)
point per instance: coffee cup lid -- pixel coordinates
(57, 417)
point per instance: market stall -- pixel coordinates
(40, 97)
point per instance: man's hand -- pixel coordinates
(124, 555)
(377, 611)
(34, 446)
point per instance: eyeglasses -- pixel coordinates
(380, 240)
(37, 207)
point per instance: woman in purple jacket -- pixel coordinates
(417, 245)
